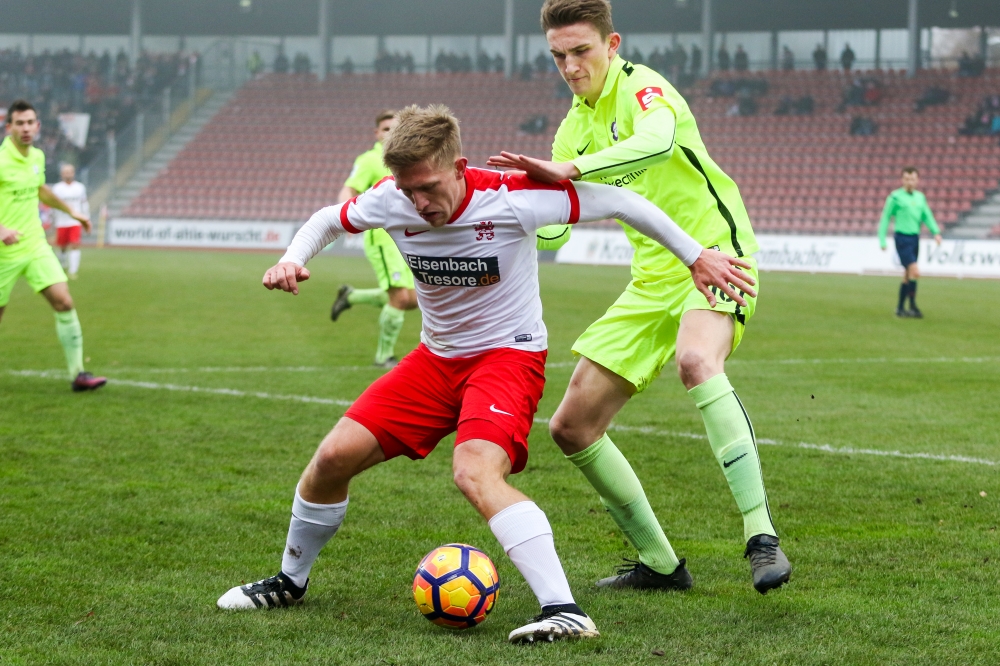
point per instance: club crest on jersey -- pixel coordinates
(484, 231)
(647, 95)
(614, 129)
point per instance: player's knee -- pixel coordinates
(63, 303)
(332, 466)
(695, 367)
(567, 433)
(473, 474)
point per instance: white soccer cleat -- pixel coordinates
(276, 591)
(556, 624)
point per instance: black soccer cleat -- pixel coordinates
(341, 303)
(388, 363)
(916, 313)
(637, 576)
(903, 314)
(85, 381)
(769, 565)
(276, 591)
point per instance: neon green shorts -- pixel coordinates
(38, 265)
(637, 336)
(389, 266)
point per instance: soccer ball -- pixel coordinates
(456, 586)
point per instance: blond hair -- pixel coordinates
(422, 134)
(562, 13)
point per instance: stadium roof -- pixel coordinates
(465, 17)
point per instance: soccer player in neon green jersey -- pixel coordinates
(909, 209)
(628, 127)
(23, 248)
(395, 293)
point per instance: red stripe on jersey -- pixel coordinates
(574, 201)
(484, 180)
(350, 228)
(382, 181)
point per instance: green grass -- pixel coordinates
(125, 513)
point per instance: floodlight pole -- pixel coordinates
(508, 38)
(324, 39)
(135, 40)
(913, 50)
(706, 37)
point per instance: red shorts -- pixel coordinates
(68, 235)
(491, 396)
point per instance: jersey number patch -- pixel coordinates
(646, 96)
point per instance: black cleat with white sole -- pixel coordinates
(769, 565)
(556, 623)
(274, 592)
(635, 575)
(341, 303)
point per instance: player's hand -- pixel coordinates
(883, 248)
(10, 236)
(84, 220)
(937, 238)
(717, 269)
(286, 277)
(541, 170)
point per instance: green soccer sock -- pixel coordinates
(71, 338)
(390, 323)
(732, 438)
(621, 493)
(375, 297)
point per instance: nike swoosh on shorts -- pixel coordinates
(493, 408)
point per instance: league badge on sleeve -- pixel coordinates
(646, 96)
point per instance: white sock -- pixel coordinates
(74, 262)
(63, 259)
(524, 533)
(311, 527)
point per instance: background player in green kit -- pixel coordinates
(23, 248)
(395, 293)
(909, 209)
(628, 127)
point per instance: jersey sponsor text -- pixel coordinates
(455, 271)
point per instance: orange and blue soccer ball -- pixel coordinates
(456, 586)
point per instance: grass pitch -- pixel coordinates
(124, 514)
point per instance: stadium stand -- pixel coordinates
(107, 88)
(284, 144)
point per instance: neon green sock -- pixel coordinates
(71, 338)
(375, 297)
(732, 438)
(390, 323)
(621, 493)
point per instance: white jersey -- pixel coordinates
(75, 196)
(476, 277)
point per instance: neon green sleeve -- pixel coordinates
(883, 225)
(928, 219)
(364, 174)
(552, 237)
(651, 143)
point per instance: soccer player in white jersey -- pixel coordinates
(74, 193)
(468, 235)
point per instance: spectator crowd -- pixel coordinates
(106, 87)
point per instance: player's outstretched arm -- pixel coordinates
(286, 275)
(709, 268)
(47, 197)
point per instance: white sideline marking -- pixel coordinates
(645, 430)
(59, 374)
(558, 364)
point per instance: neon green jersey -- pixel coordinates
(641, 135)
(910, 210)
(20, 178)
(368, 169)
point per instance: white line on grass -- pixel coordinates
(645, 430)
(557, 364)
